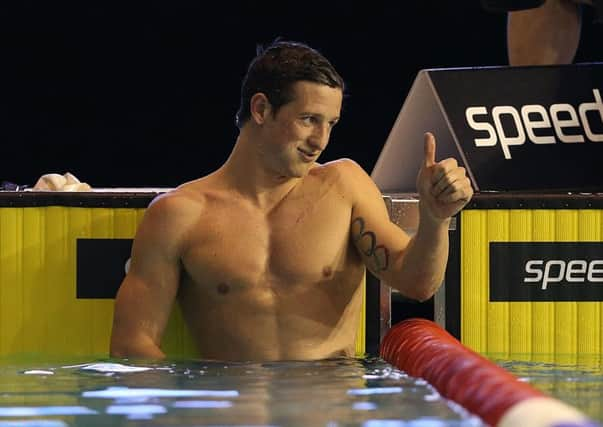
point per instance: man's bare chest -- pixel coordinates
(297, 244)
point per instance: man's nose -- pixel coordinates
(320, 137)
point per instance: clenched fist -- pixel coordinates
(443, 186)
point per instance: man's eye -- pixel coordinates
(309, 120)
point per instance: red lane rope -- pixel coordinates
(423, 349)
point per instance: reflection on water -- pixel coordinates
(575, 379)
(337, 392)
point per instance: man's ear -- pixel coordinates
(259, 107)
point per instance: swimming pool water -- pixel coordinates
(576, 380)
(338, 392)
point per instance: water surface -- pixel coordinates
(574, 379)
(337, 392)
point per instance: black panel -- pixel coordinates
(373, 314)
(453, 282)
(546, 271)
(405, 308)
(513, 128)
(101, 266)
(509, 200)
(101, 199)
(537, 111)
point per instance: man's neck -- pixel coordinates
(246, 174)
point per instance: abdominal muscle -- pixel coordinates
(275, 321)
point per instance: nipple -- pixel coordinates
(223, 288)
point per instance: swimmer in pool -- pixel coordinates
(266, 255)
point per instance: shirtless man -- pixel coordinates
(266, 255)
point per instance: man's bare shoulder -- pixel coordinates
(175, 202)
(191, 195)
(348, 174)
(176, 208)
(343, 167)
(170, 217)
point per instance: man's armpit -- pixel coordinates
(366, 242)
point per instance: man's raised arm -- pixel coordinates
(146, 296)
(416, 266)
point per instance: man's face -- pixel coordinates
(298, 133)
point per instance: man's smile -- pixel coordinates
(308, 155)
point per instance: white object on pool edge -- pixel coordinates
(56, 182)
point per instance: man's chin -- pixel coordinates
(296, 169)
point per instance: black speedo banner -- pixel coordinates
(546, 271)
(513, 128)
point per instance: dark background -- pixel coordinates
(139, 94)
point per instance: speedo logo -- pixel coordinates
(559, 271)
(568, 123)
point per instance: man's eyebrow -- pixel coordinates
(319, 115)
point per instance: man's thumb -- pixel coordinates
(430, 148)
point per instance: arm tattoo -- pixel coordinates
(366, 241)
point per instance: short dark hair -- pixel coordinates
(276, 68)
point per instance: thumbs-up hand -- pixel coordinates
(443, 186)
